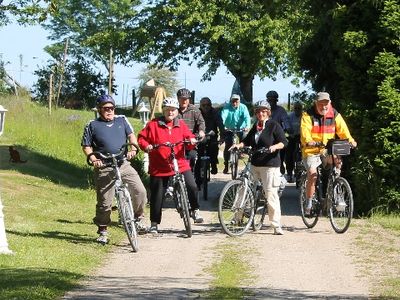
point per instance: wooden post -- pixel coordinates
(50, 92)
(111, 72)
(62, 73)
(3, 238)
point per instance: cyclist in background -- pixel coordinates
(167, 128)
(266, 166)
(294, 139)
(278, 114)
(193, 119)
(107, 134)
(235, 115)
(213, 121)
(319, 124)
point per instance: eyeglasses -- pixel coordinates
(205, 104)
(108, 108)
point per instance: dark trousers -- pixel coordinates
(228, 143)
(158, 186)
(212, 152)
(292, 153)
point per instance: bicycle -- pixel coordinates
(298, 165)
(122, 195)
(338, 199)
(203, 170)
(242, 202)
(234, 154)
(176, 188)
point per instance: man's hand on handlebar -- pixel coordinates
(236, 146)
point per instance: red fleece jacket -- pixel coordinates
(158, 132)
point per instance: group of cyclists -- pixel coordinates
(180, 120)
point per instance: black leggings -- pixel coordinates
(157, 191)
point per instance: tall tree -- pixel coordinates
(249, 37)
(353, 53)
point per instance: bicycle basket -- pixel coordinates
(338, 147)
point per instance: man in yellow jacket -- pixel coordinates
(319, 124)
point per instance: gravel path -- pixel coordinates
(302, 263)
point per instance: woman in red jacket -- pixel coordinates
(167, 128)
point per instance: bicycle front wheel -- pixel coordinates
(310, 220)
(236, 208)
(127, 217)
(234, 164)
(260, 210)
(183, 200)
(341, 205)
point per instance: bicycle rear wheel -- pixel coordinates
(234, 163)
(236, 208)
(341, 207)
(260, 210)
(311, 220)
(183, 201)
(127, 217)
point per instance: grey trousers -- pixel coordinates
(104, 179)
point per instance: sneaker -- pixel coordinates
(153, 228)
(214, 170)
(307, 209)
(103, 237)
(196, 216)
(278, 231)
(225, 171)
(140, 227)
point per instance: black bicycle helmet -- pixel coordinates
(183, 93)
(272, 94)
(103, 99)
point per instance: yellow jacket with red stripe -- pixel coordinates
(317, 128)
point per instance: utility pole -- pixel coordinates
(60, 82)
(50, 92)
(111, 72)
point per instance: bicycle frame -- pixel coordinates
(239, 200)
(336, 202)
(234, 155)
(176, 188)
(122, 195)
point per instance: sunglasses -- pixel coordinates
(108, 108)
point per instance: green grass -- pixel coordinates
(391, 222)
(231, 271)
(48, 203)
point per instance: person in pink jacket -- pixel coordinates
(167, 128)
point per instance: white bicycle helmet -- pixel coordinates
(171, 102)
(262, 104)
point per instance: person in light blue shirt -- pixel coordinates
(235, 116)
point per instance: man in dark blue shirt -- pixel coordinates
(107, 134)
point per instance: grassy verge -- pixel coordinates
(378, 252)
(231, 272)
(48, 203)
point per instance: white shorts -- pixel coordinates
(313, 161)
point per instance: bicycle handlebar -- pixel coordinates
(111, 156)
(234, 130)
(170, 145)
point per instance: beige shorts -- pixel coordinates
(313, 161)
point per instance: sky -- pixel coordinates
(28, 42)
